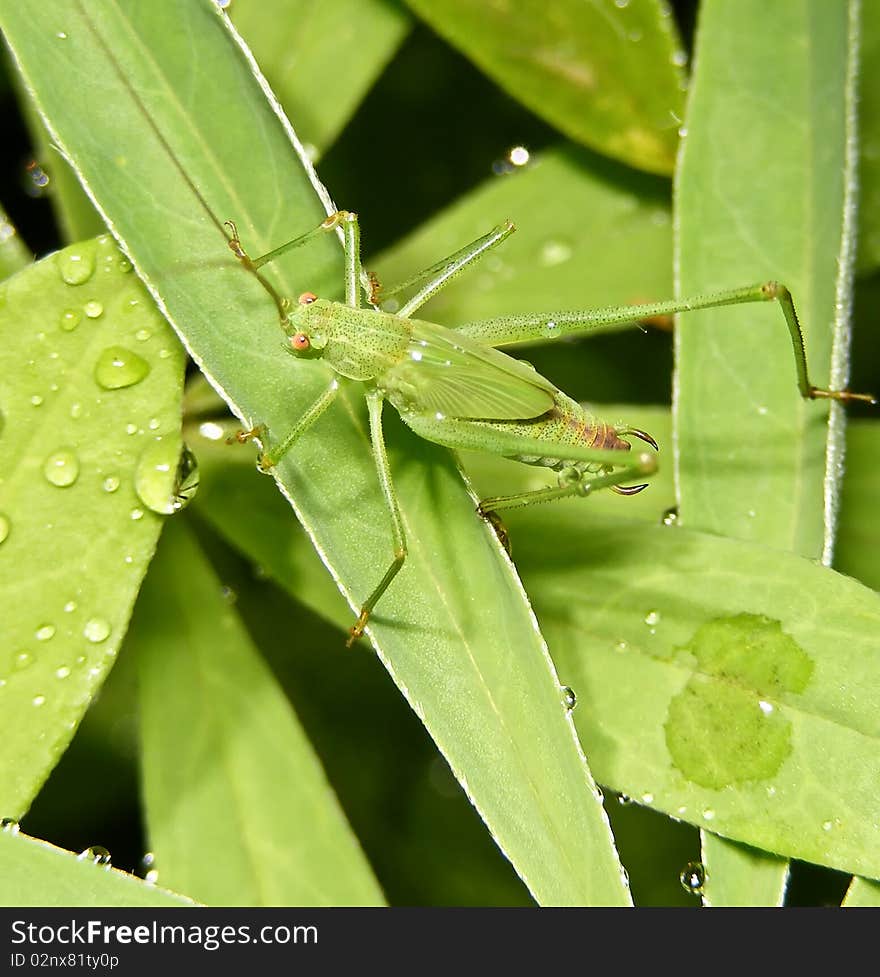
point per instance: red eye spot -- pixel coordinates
(300, 341)
(307, 298)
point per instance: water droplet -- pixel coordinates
(164, 354)
(5, 526)
(61, 468)
(624, 799)
(154, 424)
(93, 310)
(124, 265)
(110, 483)
(62, 672)
(75, 411)
(119, 367)
(228, 594)
(647, 798)
(38, 700)
(137, 514)
(679, 58)
(131, 305)
(36, 400)
(652, 618)
(77, 265)
(22, 660)
(569, 697)
(142, 335)
(45, 632)
(827, 825)
(96, 630)
(131, 428)
(36, 179)
(621, 3)
(693, 877)
(709, 814)
(519, 155)
(70, 319)
(555, 253)
(9, 825)
(670, 516)
(167, 476)
(622, 646)
(97, 854)
(70, 606)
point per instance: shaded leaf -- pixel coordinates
(321, 56)
(607, 75)
(239, 811)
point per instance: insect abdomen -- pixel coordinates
(569, 424)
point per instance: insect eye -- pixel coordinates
(307, 298)
(300, 341)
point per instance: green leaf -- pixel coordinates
(869, 139)
(14, 254)
(862, 893)
(741, 876)
(764, 191)
(574, 211)
(728, 684)
(462, 645)
(608, 76)
(35, 873)
(90, 379)
(321, 56)
(239, 812)
(858, 544)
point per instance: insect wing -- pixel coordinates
(448, 374)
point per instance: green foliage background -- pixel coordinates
(235, 737)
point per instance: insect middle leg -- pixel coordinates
(383, 469)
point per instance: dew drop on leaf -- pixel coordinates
(167, 476)
(693, 878)
(119, 367)
(77, 265)
(61, 468)
(96, 630)
(97, 854)
(70, 319)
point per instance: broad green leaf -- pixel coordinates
(869, 139)
(321, 56)
(35, 873)
(239, 811)
(862, 894)
(741, 876)
(777, 204)
(728, 684)
(608, 75)
(764, 192)
(14, 254)
(858, 544)
(199, 137)
(90, 385)
(574, 211)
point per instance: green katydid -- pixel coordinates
(454, 387)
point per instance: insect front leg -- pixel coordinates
(374, 405)
(269, 457)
